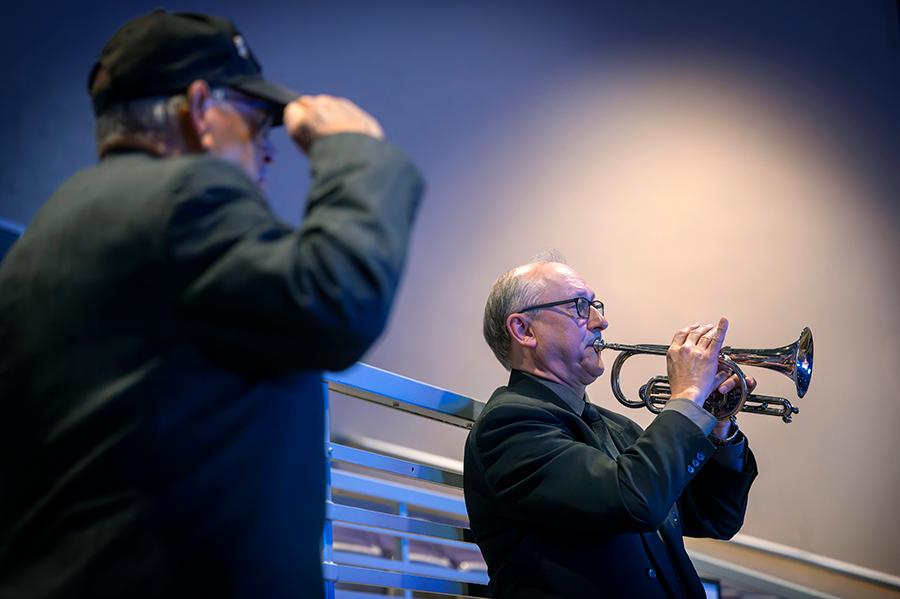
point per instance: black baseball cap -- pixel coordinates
(162, 53)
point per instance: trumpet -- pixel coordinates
(794, 361)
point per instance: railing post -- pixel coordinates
(403, 511)
(327, 534)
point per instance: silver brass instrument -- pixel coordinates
(794, 361)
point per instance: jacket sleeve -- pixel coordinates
(715, 502)
(258, 296)
(537, 465)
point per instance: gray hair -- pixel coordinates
(144, 122)
(511, 292)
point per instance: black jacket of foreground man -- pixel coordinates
(161, 337)
(556, 517)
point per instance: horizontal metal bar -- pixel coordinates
(402, 452)
(368, 486)
(345, 594)
(465, 545)
(416, 568)
(753, 579)
(360, 457)
(404, 580)
(815, 559)
(387, 388)
(414, 526)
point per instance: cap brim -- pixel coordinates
(277, 94)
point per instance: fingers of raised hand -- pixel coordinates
(341, 115)
(707, 336)
(682, 335)
(309, 117)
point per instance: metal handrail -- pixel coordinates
(371, 384)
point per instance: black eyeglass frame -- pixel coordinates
(582, 306)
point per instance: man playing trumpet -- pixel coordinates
(567, 499)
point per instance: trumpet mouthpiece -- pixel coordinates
(598, 345)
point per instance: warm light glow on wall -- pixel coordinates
(683, 194)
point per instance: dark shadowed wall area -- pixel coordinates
(735, 159)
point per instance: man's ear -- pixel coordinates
(520, 329)
(194, 124)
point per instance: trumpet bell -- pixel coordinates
(804, 362)
(794, 361)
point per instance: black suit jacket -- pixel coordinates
(161, 337)
(555, 516)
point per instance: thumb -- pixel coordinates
(295, 114)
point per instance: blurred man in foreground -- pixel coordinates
(162, 332)
(567, 499)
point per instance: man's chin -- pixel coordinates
(596, 370)
(591, 374)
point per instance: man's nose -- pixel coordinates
(597, 320)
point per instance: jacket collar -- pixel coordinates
(525, 384)
(521, 382)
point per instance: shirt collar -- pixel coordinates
(564, 393)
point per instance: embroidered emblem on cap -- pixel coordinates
(240, 45)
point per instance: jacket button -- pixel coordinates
(695, 463)
(690, 469)
(651, 573)
(674, 517)
(701, 457)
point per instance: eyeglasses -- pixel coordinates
(582, 306)
(257, 113)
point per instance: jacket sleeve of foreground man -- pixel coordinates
(259, 296)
